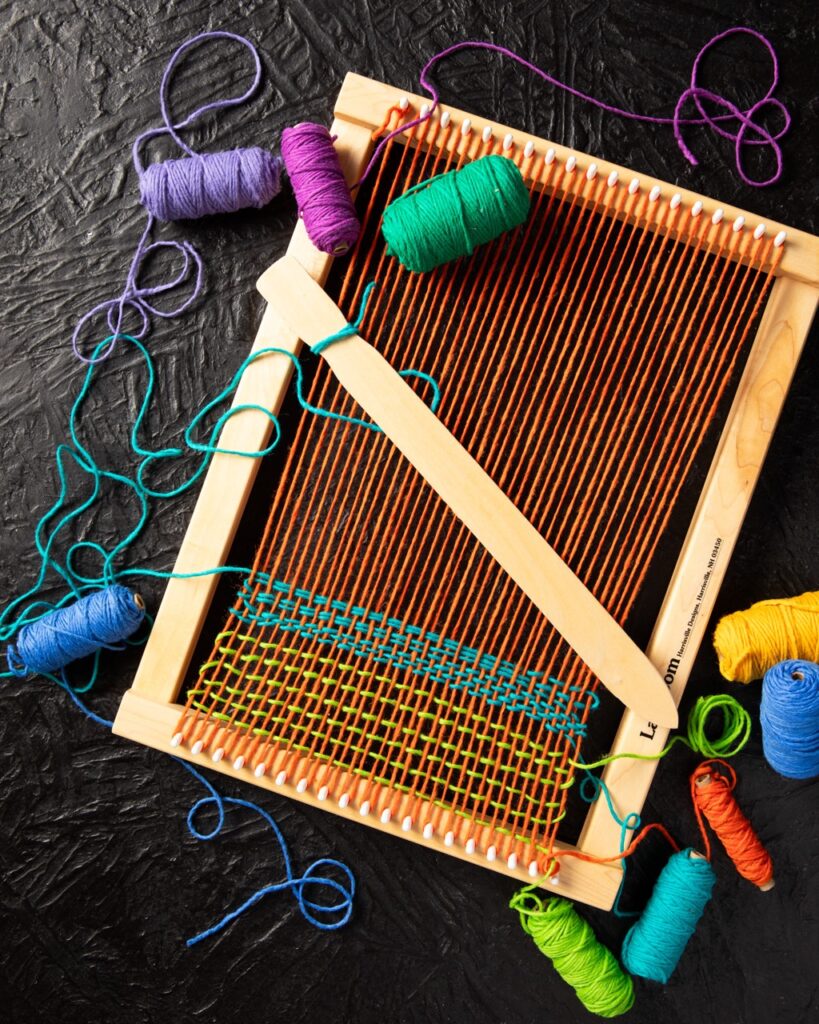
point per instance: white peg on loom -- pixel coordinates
(260, 769)
(177, 739)
(779, 241)
(486, 134)
(218, 754)
(759, 231)
(301, 785)
(466, 127)
(406, 824)
(322, 793)
(591, 172)
(512, 861)
(634, 186)
(239, 762)
(428, 830)
(612, 179)
(344, 800)
(528, 149)
(364, 810)
(197, 747)
(386, 815)
(534, 870)
(491, 854)
(469, 845)
(449, 839)
(738, 224)
(424, 112)
(654, 194)
(508, 141)
(555, 879)
(718, 215)
(571, 163)
(445, 119)
(281, 778)
(549, 158)
(676, 199)
(696, 209)
(403, 103)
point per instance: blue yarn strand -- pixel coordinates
(335, 915)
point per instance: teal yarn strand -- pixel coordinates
(450, 215)
(653, 946)
(562, 935)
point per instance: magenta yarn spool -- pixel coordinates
(322, 195)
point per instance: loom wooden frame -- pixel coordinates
(149, 711)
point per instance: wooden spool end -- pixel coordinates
(138, 601)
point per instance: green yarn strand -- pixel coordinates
(448, 216)
(592, 970)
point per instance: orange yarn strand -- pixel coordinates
(712, 793)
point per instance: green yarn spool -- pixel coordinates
(445, 217)
(592, 970)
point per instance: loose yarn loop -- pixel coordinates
(447, 216)
(654, 944)
(741, 126)
(323, 197)
(190, 187)
(102, 619)
(750, 642)
(789, 716)
(712, 794)
(306, 888)
(210, 183)
(568, 941)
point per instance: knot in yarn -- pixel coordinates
(712, 786)
(203, 184)
(742, 127)
(568, 941)
(789, 716)
(323, 197)
(102, 619)
(653, 946)
(750, 642)
(447, 216)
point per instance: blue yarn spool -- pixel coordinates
(653, 946)
(789, 716)
(102, 619)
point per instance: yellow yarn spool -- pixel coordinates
(748, 643)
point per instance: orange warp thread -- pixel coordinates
(712, 793)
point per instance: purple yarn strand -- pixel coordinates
(694, 91)
(194, 186)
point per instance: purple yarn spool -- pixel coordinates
(322, 194)
(199, 185)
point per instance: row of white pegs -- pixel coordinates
(591, 173)
(365, 808)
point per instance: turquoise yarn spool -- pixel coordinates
(653, 946)
(445, 217)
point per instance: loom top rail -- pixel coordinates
(150, 711)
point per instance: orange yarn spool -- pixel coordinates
(712, 793)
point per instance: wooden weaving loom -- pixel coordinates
(617, 366)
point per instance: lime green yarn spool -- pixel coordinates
(559, 932)
(445, 217)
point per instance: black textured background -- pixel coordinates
(99, 881)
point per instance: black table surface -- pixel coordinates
(100, 882)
